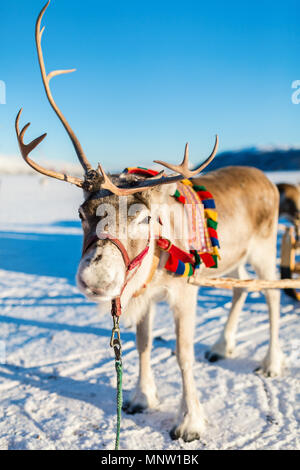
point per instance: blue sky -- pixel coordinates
(152, 75)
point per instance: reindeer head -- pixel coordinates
(109, 260)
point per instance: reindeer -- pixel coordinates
(289, 206)
(113, 268)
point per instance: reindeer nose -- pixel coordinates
(90, 276)
(96, 291)
(101, 271)
(89, 280)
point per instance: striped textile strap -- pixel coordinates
(211, 256)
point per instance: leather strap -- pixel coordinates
(105, 236)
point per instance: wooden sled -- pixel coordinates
(289, 267)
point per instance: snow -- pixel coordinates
(57, 376)
(292, 177)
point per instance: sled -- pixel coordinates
(289, 267)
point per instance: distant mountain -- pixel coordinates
(266, 159)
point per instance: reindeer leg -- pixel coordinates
(225, 345)
(144, 396)
(191, 418)
(272, 364)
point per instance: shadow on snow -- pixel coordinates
(41, 254)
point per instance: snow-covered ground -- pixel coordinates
(57, 376)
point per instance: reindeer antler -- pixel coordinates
(46, 81)
(183, 168)
(144, 185)
(26, 149)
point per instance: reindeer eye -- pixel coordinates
(146, 220)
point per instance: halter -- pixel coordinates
(129, 264)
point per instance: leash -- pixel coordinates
(115, 343)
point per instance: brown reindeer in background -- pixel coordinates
(289, 205)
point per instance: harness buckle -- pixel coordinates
(115, 331)
(117, 349)
(115, 341)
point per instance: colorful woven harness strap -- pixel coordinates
(209, 252)
(138, 170)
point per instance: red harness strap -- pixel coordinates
(166, 245)
(91, 241)
(116, 309)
